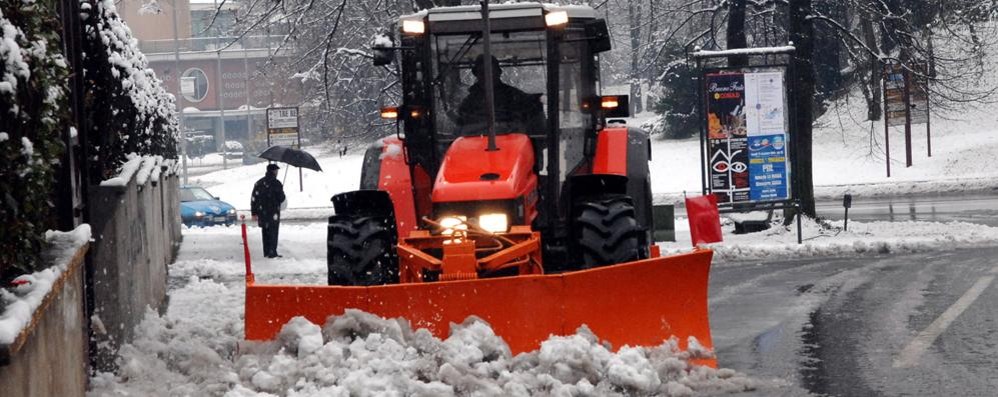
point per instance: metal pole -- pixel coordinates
(180, 92)
(701, 108)
(887, 127)
(928, 114)
(218, 91)
(487, 71)
(249, 117)
(301, 183)
(907, 116)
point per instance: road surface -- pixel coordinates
(905, 325)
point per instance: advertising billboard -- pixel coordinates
(747, 135)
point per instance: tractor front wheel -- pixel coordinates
(361, 251)
(607, 231)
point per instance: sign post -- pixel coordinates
(283, 129)
(906, 102)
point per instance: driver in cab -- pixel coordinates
(513, 107)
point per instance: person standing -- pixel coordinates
(265, 206)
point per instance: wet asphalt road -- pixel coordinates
(975, 208)
(854, 327)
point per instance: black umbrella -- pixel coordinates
(291, 156)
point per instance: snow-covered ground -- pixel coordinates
(195, 347)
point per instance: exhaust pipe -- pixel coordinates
(487, 71)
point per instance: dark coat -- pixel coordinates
(512, 106)
(265, 204)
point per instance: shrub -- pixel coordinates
(33, 100)
(677, 103)
(127, 108)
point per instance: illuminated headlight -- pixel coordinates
(495, 223)
(452, 223)
(556, 18)
(413, 27)
(232, 211)
(198, 214)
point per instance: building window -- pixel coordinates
(200, 84)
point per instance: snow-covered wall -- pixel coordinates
(136, 228)
(43, 340)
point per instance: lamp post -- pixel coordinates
(180, 93)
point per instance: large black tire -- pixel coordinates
(607, 232)
(361, 251)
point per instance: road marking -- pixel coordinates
(916, 348)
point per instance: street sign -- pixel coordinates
(747, 135)
(906, 102)
(282, 127)
(187, 86)
(896, 81)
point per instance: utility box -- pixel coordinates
(664, 219)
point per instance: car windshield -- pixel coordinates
(195, 194)
(519, 85)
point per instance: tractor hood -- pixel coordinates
(470, 173)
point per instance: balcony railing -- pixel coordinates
(212, 44)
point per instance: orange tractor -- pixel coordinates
(506, 194)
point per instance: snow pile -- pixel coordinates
(829, 239)
(29, 290)
(359, 354)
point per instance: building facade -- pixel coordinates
(223, 81)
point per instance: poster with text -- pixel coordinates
(725, 105)
(768, 167)
(729, 176)
(747, 135)
(765, 113)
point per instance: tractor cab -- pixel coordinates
(546, 118)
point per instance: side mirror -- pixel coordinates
(598, 36)
(382, 49)
(615, 106)
(383, 56)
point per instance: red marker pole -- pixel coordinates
(249, 268)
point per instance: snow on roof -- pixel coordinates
(745, 51)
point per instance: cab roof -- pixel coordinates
(499, 11)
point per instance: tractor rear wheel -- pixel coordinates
(607, 232)
(361, 251)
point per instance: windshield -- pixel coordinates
(519, 83)
(195, 194)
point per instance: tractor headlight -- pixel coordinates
(198, 214)
(413, 27)
(495, 223)
(452, 223)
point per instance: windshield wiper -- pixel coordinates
(465, 47)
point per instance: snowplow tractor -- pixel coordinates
(505, 195)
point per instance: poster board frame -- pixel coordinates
(703, 60)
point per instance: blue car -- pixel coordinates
(200, 208)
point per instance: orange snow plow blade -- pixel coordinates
(637, 303)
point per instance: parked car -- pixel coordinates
(200, 208)
(233, 150)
